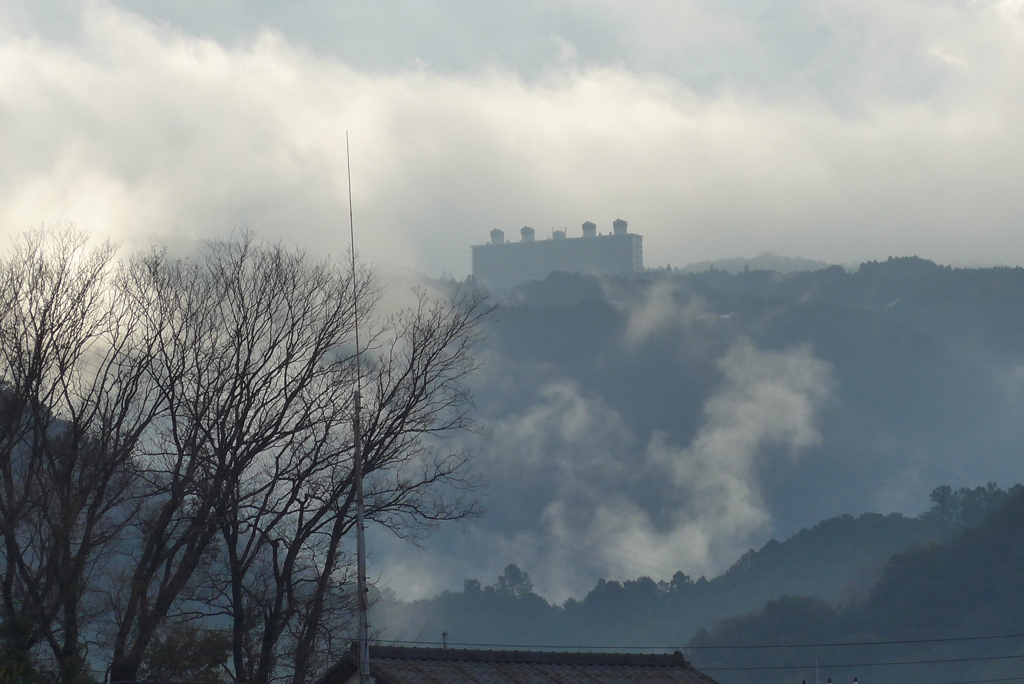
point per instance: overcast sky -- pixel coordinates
(840, 130)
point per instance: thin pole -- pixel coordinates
(357, 456)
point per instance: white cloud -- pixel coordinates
(659, 313)
(766, 399)
(139, 130)
(575, 498)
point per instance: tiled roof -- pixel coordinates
(404, 665)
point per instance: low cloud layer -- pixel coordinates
(897, 130)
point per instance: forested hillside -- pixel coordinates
(674, 420)
(646, 407)
(833, 564)
(908, 341)
(959, 602)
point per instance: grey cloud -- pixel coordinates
(660, 312)
(767, 399)
(144, 130)
(448, 36)
(137, 126)
(778, 48)
(549, 466)
(574, 497)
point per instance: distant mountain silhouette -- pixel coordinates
(835, 563)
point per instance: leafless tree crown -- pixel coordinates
(176, 446)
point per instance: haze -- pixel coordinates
(836, 130)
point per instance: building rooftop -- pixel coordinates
(408, 665)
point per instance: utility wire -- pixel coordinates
(894, 642)
(867, 643)
(985, 681)
(834, 666)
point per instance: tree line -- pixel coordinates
(176, 450)
(944, 611)
(842, 561)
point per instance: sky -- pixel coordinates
(839, 130)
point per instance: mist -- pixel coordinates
(825, 333)
(575, 495)
(670, 425)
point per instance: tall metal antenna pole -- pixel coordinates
(357, 456)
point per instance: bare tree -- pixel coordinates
(176, 436)
(417, 398)
(289, 573)
(74, 403)
(250, 362)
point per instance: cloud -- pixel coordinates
(139, 130)
(574, 496)
(659, 312)
(767, 399)
(548, 465)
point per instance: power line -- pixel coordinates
(848, 665)
(985, 681)
(833, 666)
(894, 642)
(867, 643)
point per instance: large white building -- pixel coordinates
(501, 265)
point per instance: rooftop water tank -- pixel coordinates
(497, 236)
(619, 226)
(558, 235)
(589, 229)
(527, 233)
